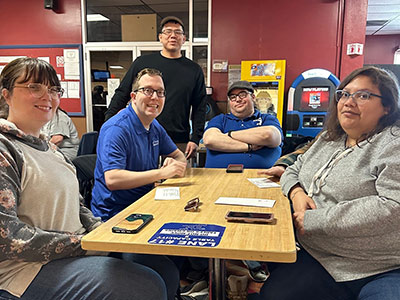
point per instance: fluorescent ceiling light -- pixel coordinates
(116, 67)
(96, 18)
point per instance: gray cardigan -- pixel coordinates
(355, 230)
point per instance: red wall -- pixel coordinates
(26, 22)
(307, 33)
(379, 49)
(354, 25)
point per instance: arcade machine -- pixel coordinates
(308, 102)
(267, 78)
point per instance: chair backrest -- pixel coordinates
(85, 165)
(88, 143)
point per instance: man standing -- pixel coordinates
(184, 84)
(244, 136)
(129, 147)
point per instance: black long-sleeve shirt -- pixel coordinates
(185, 90)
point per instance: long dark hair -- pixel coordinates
(389, 89)
(29, 68)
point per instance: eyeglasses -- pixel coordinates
(359, 96)
(169, 32)
(149, 92)
(37, 90)
(193, 204)
(241, 95)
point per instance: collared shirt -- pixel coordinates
(260, 159)
(126, 145)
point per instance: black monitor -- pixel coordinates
(314, 98)
(100, 75)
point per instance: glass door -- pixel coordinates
(104, 69)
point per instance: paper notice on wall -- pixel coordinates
(71, 64)
(7, 59)
(112, 85)
(73, 89)
(64, 85)
(45, 58)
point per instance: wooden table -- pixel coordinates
(273, 242)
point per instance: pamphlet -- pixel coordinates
(245, 201)
(263, 183)
(170, 193)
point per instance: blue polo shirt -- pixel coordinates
(125, 144)
(261, 159)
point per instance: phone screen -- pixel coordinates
(234, 168)
(250, 217)
(133, 223)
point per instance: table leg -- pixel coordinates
(219, 278)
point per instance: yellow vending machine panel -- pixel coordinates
(268, 79)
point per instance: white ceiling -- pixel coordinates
(383, 17)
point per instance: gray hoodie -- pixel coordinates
(355, 230)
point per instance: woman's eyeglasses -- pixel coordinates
(37, 90)
(193, 204)
(359, 96)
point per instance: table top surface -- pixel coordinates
(262, 242)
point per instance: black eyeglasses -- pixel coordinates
(359, 96)
(241, 95)
(149, 92)
(193, 204)
(37, 90)
(169, 32)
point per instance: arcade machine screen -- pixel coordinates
(314, 99)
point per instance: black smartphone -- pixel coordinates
(249, 217)
(234, 168)
(133, 223)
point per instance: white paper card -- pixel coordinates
(245, 201)
(263, 183)
(171, 193)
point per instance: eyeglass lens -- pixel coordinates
(170, 31)
(358, 96)
(37, 90)
(241, 95)
(149, 92)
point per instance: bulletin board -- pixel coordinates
(68, 63)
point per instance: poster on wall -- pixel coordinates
(66, 60)
(268, 78)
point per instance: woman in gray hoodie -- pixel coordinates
(346, 199)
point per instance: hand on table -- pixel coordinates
(172, 167)
(275, 171)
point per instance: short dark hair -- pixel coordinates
(171, 19)
(146, 71)
(29, 68)
(388, 86)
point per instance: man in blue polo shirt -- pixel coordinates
(245, 135)
(129, 147)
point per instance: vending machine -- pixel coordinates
(308, 101)
(268, 78)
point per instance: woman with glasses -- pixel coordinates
(346, 199)
(42, 220)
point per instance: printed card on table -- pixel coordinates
(263, 183)
(170, 193)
